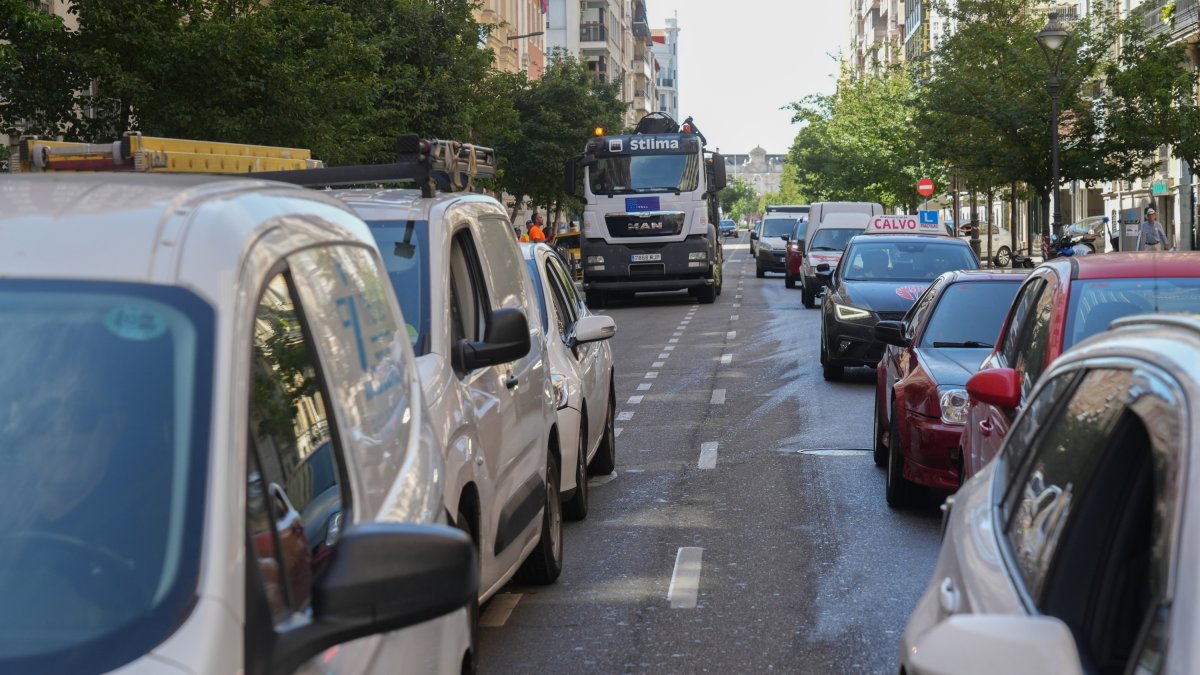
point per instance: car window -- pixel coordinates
(1058, 473)
(833, 238)
(564, 279)
(499, 255)
(920, 309)
(295, 501)
(956, 320)
(1019, 319)
(468, 298)
(903, 260)
(404, 245)
(1031, 349)
(564, 309)
(1096, 303)
(800, 231)
(538, 291)
(777, 227)
(105, 397)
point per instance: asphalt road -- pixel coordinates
(723, 543)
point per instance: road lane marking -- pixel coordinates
(685, 579)
(834, 452)
(733, 317)
(718, 397)
(645, 386)
(731, 335)
(672, 341)
(657, 364)
(617, 431)
(708, 455)
(737, 304)
(664, 355)
(677, 334)
(737, 297)
(669, 348)
(726, 359)
(499, 609)
(651, 375)
(634, 400)
(625, 416)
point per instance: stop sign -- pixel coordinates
(925, 187)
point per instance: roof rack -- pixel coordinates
(433, 164)
(149, 154)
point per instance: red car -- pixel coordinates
(794, 257)
(920, 394)
(1063, 302)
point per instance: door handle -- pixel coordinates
(985, 427)
(512, 381)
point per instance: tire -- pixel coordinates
(899, 491)
(1003, 257)
(880, 450)
(789, 281)
(830, 372)
(594, 299)
(576, 508)
(544, 563)
(758, 272)
(707, 295)
(605, 460)
(471, 660)
(807, 296)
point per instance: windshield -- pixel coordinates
(905, 260)
(405, 250)
(834, 238)
(104, 416)
(727, 224)
(631, 174)
(778, 227)
(800, 230)
(956, 320)
(1096, 304)
(536, 275)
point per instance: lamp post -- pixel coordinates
(527, 35)
(1053, 38)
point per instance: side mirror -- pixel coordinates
(506, 339)
(891, 333)
(990, 644)
(823, 267)
(825, 276)
(718, 180)
(1000, 387)
(570, 177)
(594, 328)
(754, 234)
(383, 577)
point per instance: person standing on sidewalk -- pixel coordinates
(1151, 237)
(535, 228)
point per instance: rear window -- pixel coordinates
(405, 248)
(800, 231)
(1097, 303)
(957, 320)
(834, 238)
(778, 227)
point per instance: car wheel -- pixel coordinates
(544, 563)
(1003, 256)
(880, 450)
(807, 297)
(830, 372)
(758, 272)
(471, 661)
(595, 299)
(789, 281)
(899, 491)
(606, 455)
(576, 508)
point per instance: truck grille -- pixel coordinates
(655, 224)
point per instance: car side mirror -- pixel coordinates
(717, 178)
(825, 276)
(1000, 387)
(506, 339)
(754, 234)
(891, 333)
(570, 176)
(594, 328)
(987, 644)
(382, 577)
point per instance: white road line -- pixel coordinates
(737, 304)
(634, 400)
(708, 455)
(657, 364)
(685, 580)
(685, 322)
(731, 335)
(617, 431)
(726, 359)
(651, 375)
(625, 416)
(645, 386)
(733, 317)
(498, 611)
(664, 355)
(669, 348)
(718, 397)
(737, 297)
(677, 334)
(672, 341)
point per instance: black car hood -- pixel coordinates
(953, 365)
(883, 296)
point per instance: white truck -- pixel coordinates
(650, 211)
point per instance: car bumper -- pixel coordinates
(673, 271)
(771, 260)
(852, 343)
(929, 453)
(795, 262)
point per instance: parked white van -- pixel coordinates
(842, 221)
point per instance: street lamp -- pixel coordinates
(527, 35)
(1053, 39)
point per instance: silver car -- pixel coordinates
(1075, 550)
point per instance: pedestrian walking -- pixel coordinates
(1151, 237)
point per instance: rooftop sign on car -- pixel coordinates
(902, 225)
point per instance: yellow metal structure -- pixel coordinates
(567, 244)
(135, 152)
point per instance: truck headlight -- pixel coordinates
(562, 393)
(595, 260)
(698, 255)
(953, 401)
(848, 313)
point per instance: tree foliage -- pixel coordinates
(738, 199)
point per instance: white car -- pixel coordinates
(1002, 242)
(581, 365)
(1075, 549)
(461, 280)
(216, 455)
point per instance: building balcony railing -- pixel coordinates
(1184, 21)
(593, 33)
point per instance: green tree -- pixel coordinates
(737, 199)
(40, 72)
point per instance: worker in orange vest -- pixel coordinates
(535, 228)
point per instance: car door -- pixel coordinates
(593, 377)
(1090, 517)
(900, 362)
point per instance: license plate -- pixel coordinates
(646, 257)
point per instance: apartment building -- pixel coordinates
(666, 51)
(876, 35)
(518, 34)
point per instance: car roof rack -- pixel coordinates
(432, 164)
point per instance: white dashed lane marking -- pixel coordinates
(731, 335)
(499, 609)
(685, 580)
(726, 359)
(651, 375)
(645, 386)
(625, 415)
(718, 397)
(708, 455)
(634, 400)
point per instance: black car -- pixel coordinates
(878, 279)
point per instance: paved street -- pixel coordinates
(745, 529)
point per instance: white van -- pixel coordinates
(842, 221)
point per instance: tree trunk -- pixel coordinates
(1012, 219)
(991, 193)
(1043, 215)
(516, 208)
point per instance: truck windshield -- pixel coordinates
(633, 174)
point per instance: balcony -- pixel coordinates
(593, 32)
(641, 23)
(1184, 21)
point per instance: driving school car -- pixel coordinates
(879, 278)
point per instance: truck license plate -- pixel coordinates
(646, 257)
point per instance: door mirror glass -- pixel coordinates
(891, 333)
(594, 328)
(1000, 387)
(506, 339)
(383, 577)
(823, 268)
(754, 234)
(991, 644)
(569, 176)
(717, 177)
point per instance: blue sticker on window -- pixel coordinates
(636, 204)
(135, 322)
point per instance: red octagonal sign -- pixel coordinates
(925, 187)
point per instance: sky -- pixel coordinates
(739, 62)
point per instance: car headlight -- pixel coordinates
(953, 401)
(698, 255)
(562, 393)
(848, 313)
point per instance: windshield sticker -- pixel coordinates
(637, 204)
(910, 292)
(135, 322)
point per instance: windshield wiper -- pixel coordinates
(975, 344)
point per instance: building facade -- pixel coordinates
(514, 37)
(643, 66)
(666, 50)
(876, 35)
(762, 171)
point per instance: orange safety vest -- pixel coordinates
(535, 233)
